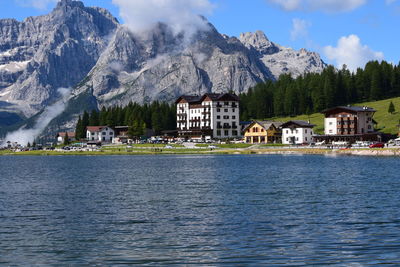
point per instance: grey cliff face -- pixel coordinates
(41, 54)
(158, 68)
(282, 60)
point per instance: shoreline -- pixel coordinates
(240, 151)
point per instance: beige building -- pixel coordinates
(263, 132)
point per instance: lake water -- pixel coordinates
(241, 210)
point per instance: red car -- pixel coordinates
(377, 145)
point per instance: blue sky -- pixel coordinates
(342, 31)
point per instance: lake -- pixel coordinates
(232, 210)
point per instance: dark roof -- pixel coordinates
(351, 108)
(195, 99)
(299, 124)
(265, 124)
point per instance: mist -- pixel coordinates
(24, 136)
(182, 16)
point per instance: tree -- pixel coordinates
(66, 139)
(391, 108)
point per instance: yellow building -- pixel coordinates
(263, 132)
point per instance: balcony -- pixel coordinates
(227, 126)
(234, 105)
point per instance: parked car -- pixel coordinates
(377, 145)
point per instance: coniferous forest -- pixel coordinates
(315, 92)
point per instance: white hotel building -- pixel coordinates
(208, 116)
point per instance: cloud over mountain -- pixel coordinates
(181, 15)
(352, 52)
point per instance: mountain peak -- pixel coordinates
(259, 42)
(70, 3)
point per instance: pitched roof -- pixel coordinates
(195, 99)
(351, 108)
(265, 124)
(299, 124)
(95, 128)
(63, 134)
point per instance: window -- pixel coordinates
(306, 138)
(226, 110)
(287, 132)
(297, 139)
(226, 103)
(218, 109)
(226, 132)
(287, 139)
(218, 117)
(306, 131)
(226, 117)
(235, 133)
(233, 117)
(219, 132)
(111, 133)
(330, 123)
(103, 133)
(330, 131)
(233, 110)
(369, 126)
(297, 131)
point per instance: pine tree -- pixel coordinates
(391, 108)
(66, 139)
(94, 118)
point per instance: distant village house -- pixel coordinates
(100, 134)
(263, 132)
(62, 135)
(297, 132)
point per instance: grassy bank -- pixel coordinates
(226, 151)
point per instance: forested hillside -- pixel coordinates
(315, 92)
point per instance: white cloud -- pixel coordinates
(389, 2)
(181, 15)
(38, 4)
(300, 29)
(330, 6)
(351, 52)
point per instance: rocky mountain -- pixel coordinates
(282, 60)
(41, 54)
(106, 64)
(159, 68)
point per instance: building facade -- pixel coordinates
(263, 132)
(349, 124)
(208, 116)
(100, 134)
(297, 132)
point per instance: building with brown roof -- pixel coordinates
(62, 135)
(100, 134)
